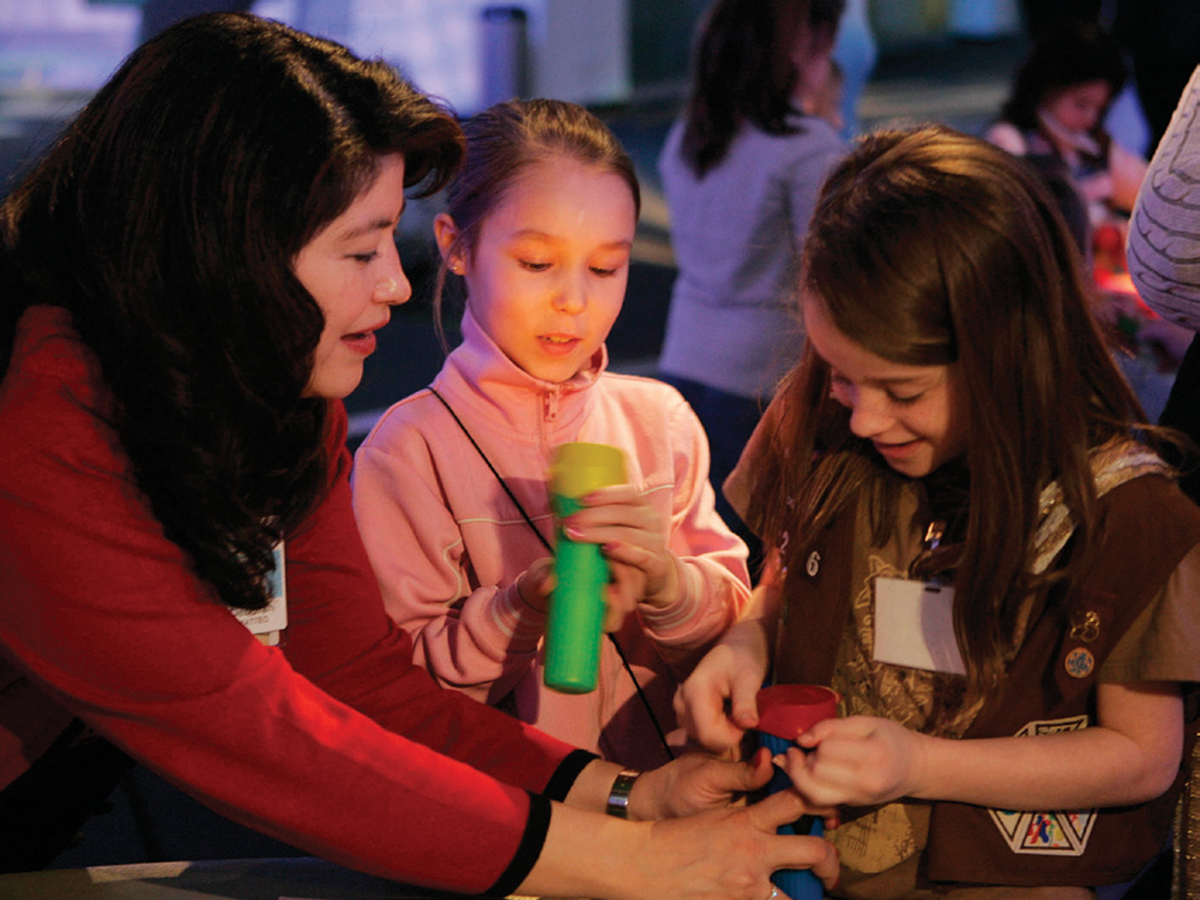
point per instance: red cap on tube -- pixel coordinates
(785, 710)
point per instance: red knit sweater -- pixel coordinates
(336, 743)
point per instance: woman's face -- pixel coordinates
(352, 269)
(909, 413)
(1078, 107)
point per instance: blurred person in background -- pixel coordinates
(741, 169)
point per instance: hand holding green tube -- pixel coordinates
(575, 621)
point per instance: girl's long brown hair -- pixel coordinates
(929, 247)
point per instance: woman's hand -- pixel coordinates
(633, 538)
(724, 854)
(733, 852)
(717, 703)
(696, 782)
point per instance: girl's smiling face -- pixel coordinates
(909, 413)
(547, 276)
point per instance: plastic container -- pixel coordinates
(575, 622)
(784, 711)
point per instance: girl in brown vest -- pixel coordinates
(974, 543)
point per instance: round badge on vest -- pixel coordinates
(1080, 662)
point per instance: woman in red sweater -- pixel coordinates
(190, 281)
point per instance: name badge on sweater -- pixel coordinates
(914, 625)
(268, 623)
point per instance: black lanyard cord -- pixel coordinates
(511, 496)
(545, 543)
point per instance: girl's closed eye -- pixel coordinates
(905, 400)
(607, 271)
(533, 265)
(610, 267)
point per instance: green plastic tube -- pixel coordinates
(575, 622)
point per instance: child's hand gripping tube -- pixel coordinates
(575, 622)
(784, 711)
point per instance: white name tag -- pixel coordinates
(914, 625)
(268, 623)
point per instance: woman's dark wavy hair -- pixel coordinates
(166, 219)
(1068, 55)
(503, 142)
(929, 247)
(742, 71)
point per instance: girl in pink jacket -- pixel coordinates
(450, 488)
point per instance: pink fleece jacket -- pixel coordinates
(448, 544)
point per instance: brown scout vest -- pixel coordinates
(1149, 525)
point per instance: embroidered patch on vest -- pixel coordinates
(1060, 833)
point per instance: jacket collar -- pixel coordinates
(479, 377)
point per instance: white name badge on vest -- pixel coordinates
(268, 623)
(914, 625)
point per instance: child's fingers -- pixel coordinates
(599, 527)
(823, 784)
(624, 592)
(659, 583)
(858, 761)
(614, 494)
(700, 708)
(743, 701)
(649, 560)
(820, 730)
(620, 506)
